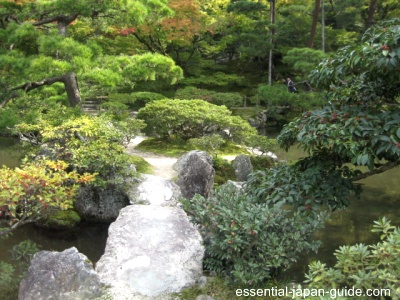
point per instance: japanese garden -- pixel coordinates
(281, 119)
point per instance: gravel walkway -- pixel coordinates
(162, 165)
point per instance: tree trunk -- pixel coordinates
(72, 89)
(70, 82)
(270, 56)
(317, 6)
(371, 12)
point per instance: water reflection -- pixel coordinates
(9, 154)
(88, 238)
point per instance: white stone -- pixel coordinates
(154, 190)
(151, 251)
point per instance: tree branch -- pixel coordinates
(61, 18)
(389, 165)
(70, 83)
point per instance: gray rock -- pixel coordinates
(195, 174)
(66, 275)
(151, 251)
(236, 184)
(154, 190)
(242, 166)
(95, 204)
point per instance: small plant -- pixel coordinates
(223, 171)
(246, 239)
(262, 143)
(210, 143)
(363, 266)
(11, 275)
(26, 192)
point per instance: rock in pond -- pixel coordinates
(66, 275)
(151, 251)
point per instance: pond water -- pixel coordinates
(9, 154)
(381, 197)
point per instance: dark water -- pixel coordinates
(381, 197)
(9, 154)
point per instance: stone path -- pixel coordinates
(162, 165)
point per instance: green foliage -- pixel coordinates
(91, 144)
(223, 171)
(247, 239)
(209, 143)
(304, 60)
(185, 119)
(23, 37)
(362, 121)
(362, 74)
(360, 137)
(12, 274)
(214, 79)
(141, 165)
(59, 219)
(310, 185)
(171, 148)
(136, 100)
(117, 110)
(363, 266)
(227, 99)
(261, 162)
(262, 143)
(278, 95)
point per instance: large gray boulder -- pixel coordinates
(154, 190)
(66, 275)
(100, 205)
(195, 174)
(151, 251)
(242, 166)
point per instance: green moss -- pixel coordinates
(141, 165)
(175, 148)
(171, 148)
(223, 171)
(261, 162)
(60, 219)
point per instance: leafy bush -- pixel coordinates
(26, 192)
(118, 111)
(89, 144)
(304, 60)
(261, 162)
(363, 266)
(227, 99)
(185, 119)
(209, 143)
(136, 100)
(278, 95)
(262, 143)
(223, 171)
(249, 240)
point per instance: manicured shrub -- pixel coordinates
(185, 119)
(227, 99)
